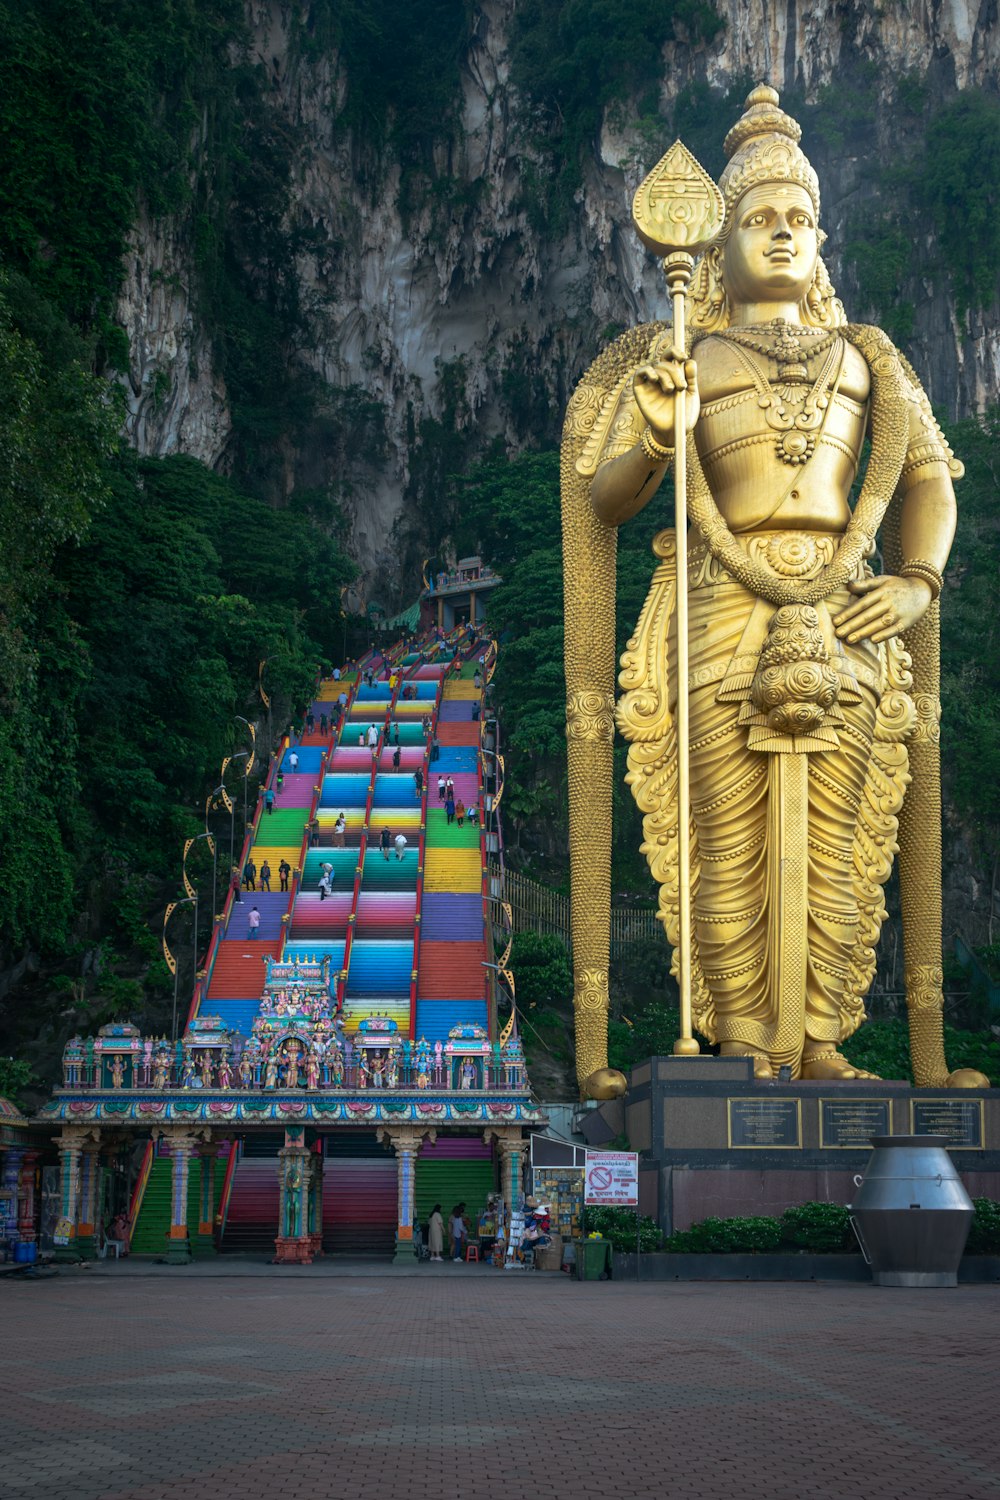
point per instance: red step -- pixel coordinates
(457, 733)
(238, 973)
(450, 971)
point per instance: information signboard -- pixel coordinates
(612, 1179)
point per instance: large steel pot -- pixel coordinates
(911, 1213)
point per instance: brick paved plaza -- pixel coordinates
(486, 1385)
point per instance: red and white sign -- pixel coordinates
(611, 1179)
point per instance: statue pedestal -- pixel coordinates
(716, 1143)
(293, 1250)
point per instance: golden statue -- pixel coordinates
(812, 683)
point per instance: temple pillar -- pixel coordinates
(27, 1231)
(207, 1156)
(70, 1152)
(472, 607)
(294, 1244)
(88, 1202)
(10, 1177)
(316, 1200)
(510, 1146)
(406, 1142)
(182, 1146)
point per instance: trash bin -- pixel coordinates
(911, 1213)
(593, 1260)
(24, 1253)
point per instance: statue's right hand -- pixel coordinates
(655, 388)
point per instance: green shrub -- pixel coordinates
(819, 1228)
(750, 1236)
(984, 1236)
(618, 1226)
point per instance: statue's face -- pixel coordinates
(772, 249)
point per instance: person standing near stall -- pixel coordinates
(435, 1233)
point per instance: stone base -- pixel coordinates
(715, 1142)
(203, 1245)
(297, 1251)
(178, 1251)
(404, 1255)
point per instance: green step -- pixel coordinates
(149, 1237)
(444, 835)
(279, 829)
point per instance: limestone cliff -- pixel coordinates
(470, 311)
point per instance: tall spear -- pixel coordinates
(678, 211)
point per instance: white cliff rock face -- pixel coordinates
(175, 401)
(477, 287)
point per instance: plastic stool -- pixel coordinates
(472, 1253)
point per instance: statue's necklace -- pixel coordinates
(797, 431)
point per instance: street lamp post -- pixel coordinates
(249, 764)
(243, 755)
(185, 901)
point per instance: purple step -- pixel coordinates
(297, 791)
(456, 711)
(272, 906)
(451, 919)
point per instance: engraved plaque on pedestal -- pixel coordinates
(960, 1121)
(765, 1124)
(849, 1124)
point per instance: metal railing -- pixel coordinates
(539, 909)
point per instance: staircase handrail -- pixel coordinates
(352, 919)
(422, 852)
(325, 762)
(139, 1191)
(222, 1212)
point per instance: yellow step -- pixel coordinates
(459, 870)
(461, 689)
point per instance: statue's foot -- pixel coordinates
(761, 1062)
(829, 1065)
(967, 1078)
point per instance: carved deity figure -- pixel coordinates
(271, 1072)
(117, 1072)
(813, 674)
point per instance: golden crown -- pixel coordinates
(763, 146)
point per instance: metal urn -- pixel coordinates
(911, 1213)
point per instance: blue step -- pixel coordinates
(310, 759)
(237, 1015)
(380, 693)
(380, 968)
(316, 948)
(455, 759)
(395, 790)
(340, 791)
(435, 1018)
(425, 690)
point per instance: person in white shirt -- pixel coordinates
(400, 842)
(372, 736)
(293, 762)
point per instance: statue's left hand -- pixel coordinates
(884, 607)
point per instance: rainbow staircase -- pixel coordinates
(405, 935)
